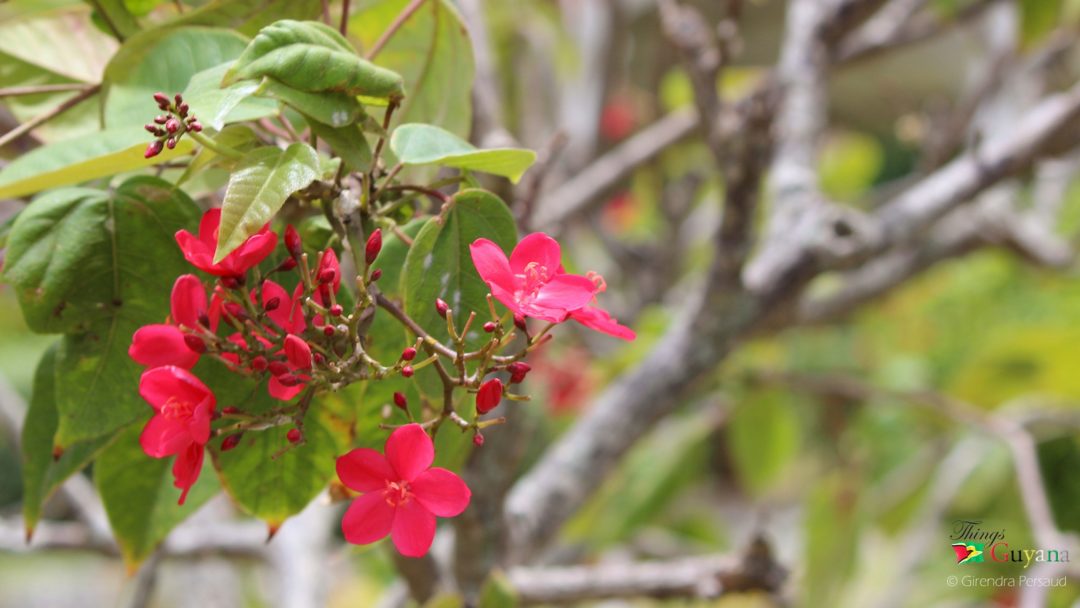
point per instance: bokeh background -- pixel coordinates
(849, 441)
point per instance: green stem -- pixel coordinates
(218, 148)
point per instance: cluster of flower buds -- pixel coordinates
(168, 128)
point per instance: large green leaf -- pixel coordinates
(259, 187)
(115, 18)
(42, 472)
(216, 105)
(310, 56)
(432, 51)
(439, 264)
(101, 265)
(60, 43)
(348, 142)
(81, 159)
(420, 144)
(329, 108)
(140, 497)
(249, 16)
(162, 60)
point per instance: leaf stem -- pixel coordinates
(217, 147)
(344, 17)
(400, 20)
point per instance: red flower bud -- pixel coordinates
(336, 310)
(407, 371)
(259, 363)
(489, 396)
(328, 331)
(153, 149)
(286, 265)
(292, 241)
(401, 401)
(170, 143)
(327, 275)
(182, 109)
(278, 368)
(293, 435)
(151, 129)
(195, 343)
(235, 310)
(231, 410)
(376, 274)
(231, 442)
(288, 380)
(162, 100)
(161, 119)
(172, 125)
(490, 326)
(441, 307)
(297, 352)
(231, 282)
(519, 322)
(478, 439)
(318, 358)
(408, 354)
(195, 126)
(373, 247)
(178, 98)
(518, 370)
(272, 304)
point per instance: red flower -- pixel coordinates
(181, 422)
(532, 282)
(402, 494)
(199, 251)
(165, 344)
(288, 315)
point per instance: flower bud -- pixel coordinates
(288, 380)
(518, 370)
(519, 322)
(318, 358)
(231, 282)
(293, 244)
(272, 304)
(408, 354)
(336, 310)
(195, 343)
(182, 109)
(407, 371)
(170, 143)
(153, 149)
(376, 274)
(373, 247)
(235, 310)
(293, 435)
(328, 331)
(172, 125)
(478, 439)
(286, 265)
(489, 396)
(401, 401)
(297, 351)
(195, 126)
(161, 119)
(232, 409)
(327, 275)
(441, 307)
(152, 129)
(259, 363)
(178, 98)
(162, 100)
(231, 442)
(490, 326)
(278, 368)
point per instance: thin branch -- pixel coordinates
(344, 26)
(43, 88)
(393, 28)
(37, 121)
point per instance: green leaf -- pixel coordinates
(140, 497)
(313, 57)
(498, 592)
(162, 60)
(101, 265)
(332, 109)
(832, 522)
(763, 435)
(249, 16)
(439, 264)
(116, 17)
(59, 43)
(419, 144)
(81, 159)
(216, 106)
(42, 474)
(433, 53)
(348, 142)
(141, 8)
(259, 187)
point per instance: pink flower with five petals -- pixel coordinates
(180, 426)
(402, 493)
(165, 343)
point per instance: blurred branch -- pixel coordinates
(706, 576)
(488, 128)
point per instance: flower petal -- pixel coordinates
(208, 227)
(441, 491)
(365, 470)
(280, 315)
(566, 291)
(367, 519)
(280, 391)
(186, 469)
(601, 320)
(414, 529)
(410, 451)
(492, 265)
(160, 384)
(251, 252)
(536, 248)
(188, 301)
(297, 352)
(199, 424)
(157, 345)
(195, 251)
(163, 437)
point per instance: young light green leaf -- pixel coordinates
(216, 105)
(139, 496)
(309, 56)
(419, 144)
(259, 187)
(432, 52)
(81, 159)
